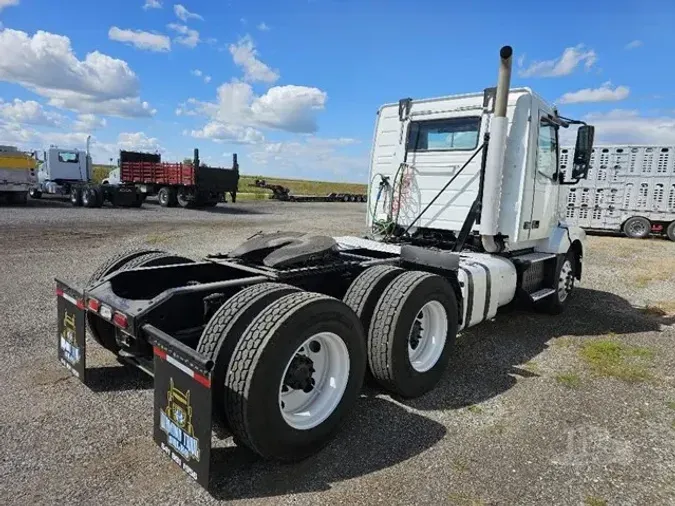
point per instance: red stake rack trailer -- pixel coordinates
(184, 184)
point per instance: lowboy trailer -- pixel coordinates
(273, 339)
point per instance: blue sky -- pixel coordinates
(293, 86)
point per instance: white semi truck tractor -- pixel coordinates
(272, 340)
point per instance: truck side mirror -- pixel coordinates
(583, 151)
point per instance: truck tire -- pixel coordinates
(565, 275)
(99, 196)
(670, 231)
(413, 333)
(34, 193)
(183, 201)
(166, 196)
(276, 373)
(224, 329)
(637, 227)
(102, 331)
(367, 288)
(89, 197)
(76, 196)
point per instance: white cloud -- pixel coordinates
(303, 157)
(141, 39)
(604, 93)
(28, 112)
(234, 134)
(562, 66)
(199, 73)
(152, 4)
(137, 141)
(633, 44)
(188, 37)
(245, 56)
(183, 14)
(46, 64)
(88, 122)
(290, 108)
(8, 3)
(120, 107)
(263, 27)
(628, 126)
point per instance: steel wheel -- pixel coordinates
(565, 280)
(427, 336)
(314, 381)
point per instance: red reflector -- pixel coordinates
(120, 320)
(203, 380)
(80, 304)
(94, 305)
(59, 292)
(159, 352)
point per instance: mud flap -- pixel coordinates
(182, 418)
(71, 336)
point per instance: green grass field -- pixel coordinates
(250, 192)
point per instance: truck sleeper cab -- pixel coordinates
(273, 338)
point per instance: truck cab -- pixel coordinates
(62, 168)
(420, 145)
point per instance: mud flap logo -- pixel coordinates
(70, 351)
(176, 422)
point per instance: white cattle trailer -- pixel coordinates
(630, 189)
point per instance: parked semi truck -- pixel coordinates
(272, 340)
(630, 189)
(17, 174)
(186, 184)
(68, 173)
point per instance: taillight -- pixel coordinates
(120, 320)
(93, 305)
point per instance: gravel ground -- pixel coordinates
(527, 414)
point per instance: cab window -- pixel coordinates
(450, 134)
(547, 150)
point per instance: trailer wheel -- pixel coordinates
(182, 200)
(412, 333)
(76, 196)
(637, 227)
(223, 330)
(166, 196)
(34, 193)
(670, 231)
(366, 289)
(295, 373)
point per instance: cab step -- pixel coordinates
(540, 294)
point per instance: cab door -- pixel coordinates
(544, 215)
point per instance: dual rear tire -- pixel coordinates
(411, 320)
(289, 366)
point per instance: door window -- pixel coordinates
(547, 153)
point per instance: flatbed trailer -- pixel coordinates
(271, 341)
(184, 184)
(283, 193)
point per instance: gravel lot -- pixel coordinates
(578, 409)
